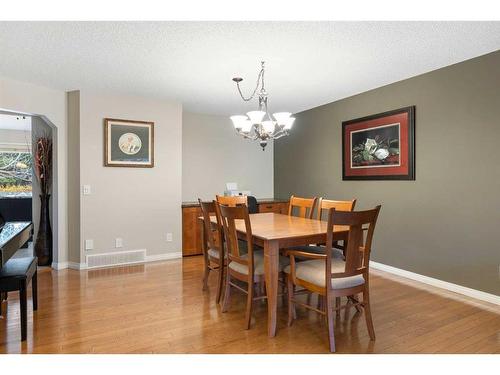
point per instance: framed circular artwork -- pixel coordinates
(128, 143)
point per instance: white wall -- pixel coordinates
(213, 154)
(139, 205)
(50, 104)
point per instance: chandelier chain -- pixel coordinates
(261, 75)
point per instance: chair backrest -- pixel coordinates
(252, 204)
(229, 215)
(213, 237)
(325, 204)
(305, 206)
(357, 252)
(232, 201)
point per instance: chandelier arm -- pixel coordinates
(247, 135)
(280, 134)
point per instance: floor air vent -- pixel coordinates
(115, 258)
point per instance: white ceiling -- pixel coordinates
(11, 122)
(308, 63)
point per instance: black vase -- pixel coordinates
(43, 245)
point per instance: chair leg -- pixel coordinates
(291, 305)
(24, 310)
(34, 290)
(368, 314)
(283, 289)
(220, 283)
(248, 316)
(227, 293)
(329, 319)
(337, 307)
(205, 277)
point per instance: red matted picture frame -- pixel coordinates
(380, 147)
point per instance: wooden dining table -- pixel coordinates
(275, 232)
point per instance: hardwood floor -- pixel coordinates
(160, 308)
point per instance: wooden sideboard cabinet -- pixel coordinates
(192, 231)
(276, 207)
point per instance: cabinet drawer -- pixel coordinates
(278, 208)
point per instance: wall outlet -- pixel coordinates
(89, 244)
(86, 190)
(169, 237)
(118, 242)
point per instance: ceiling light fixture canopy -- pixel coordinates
(260, 125)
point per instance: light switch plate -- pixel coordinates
(86, 190)
(169, 237)
(89, 244)
(118, 242)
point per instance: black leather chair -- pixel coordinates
(15, 275)
(253, 207)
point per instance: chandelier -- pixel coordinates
(260, 125)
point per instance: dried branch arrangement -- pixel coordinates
(42, 163)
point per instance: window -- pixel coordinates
(16, 172)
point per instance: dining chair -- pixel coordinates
(212, 246)
(324, 205)
(331, 277)
(305, 206)
(232, 201)
(246, 267)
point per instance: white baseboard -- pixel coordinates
(477, 294)
(167, 256)
(149, 258)
(59, 265)
(77, 266)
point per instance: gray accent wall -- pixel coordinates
(446, 223)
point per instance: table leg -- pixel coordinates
(271, 262)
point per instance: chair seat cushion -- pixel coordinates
(214, 253)
(15, 270)
(336, 253)
(18, 267)
(258, 263)
(313, 271)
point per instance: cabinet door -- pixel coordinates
(191, 231)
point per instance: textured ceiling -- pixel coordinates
(308, 63)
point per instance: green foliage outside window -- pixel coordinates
(16, 172)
